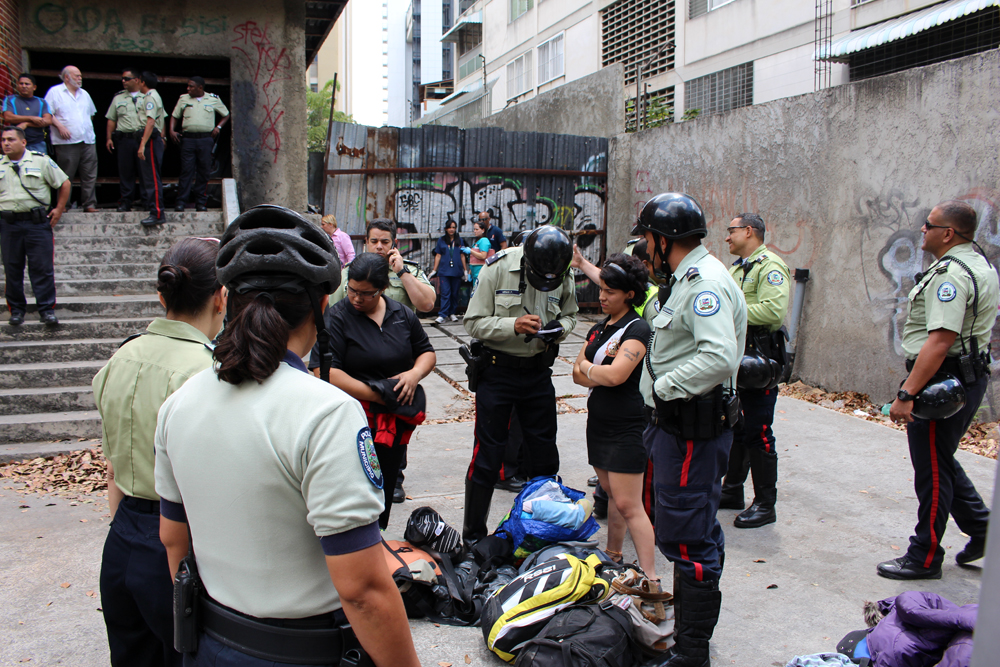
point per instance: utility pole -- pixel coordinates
(639, 111)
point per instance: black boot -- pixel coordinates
(696, 613)
(732, 484)
(477, 511)
(764, 468)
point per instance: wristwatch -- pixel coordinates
(405, 269)
(904, 396)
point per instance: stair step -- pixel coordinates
(69, 254)
(78, 327)
(26, 451)
(105, 271)
(125, 305)
(97, 286)
(127, 243)
(55, 350)
(46, 399)
(49, 374)
(171, 228)
(50, 426)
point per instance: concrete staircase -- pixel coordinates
(105, 269)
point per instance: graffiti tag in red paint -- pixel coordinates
(269, 64)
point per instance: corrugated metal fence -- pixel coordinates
(423, 177)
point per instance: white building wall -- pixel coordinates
(399, 64)
(431, 20)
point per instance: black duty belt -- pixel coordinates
(141, 504)
(543, 359)
(949, 365)
(11, 216)
(196, 135)
(317, 640)
(129, 135)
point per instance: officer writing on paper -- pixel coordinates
(26, 224)
(689, 388)
(765, 282)
(946, 341)
(524, 307)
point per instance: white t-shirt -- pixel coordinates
(74, 112)
(263, 471)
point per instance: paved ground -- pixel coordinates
(845, 501)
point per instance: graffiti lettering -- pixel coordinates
(53, 18)
(268, 64)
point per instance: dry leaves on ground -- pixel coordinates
(980, 439)
(70, 475)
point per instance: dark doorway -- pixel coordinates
(102, 80)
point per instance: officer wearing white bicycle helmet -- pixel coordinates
(275, 474)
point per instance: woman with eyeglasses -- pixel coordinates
(380, 355)
(610, 365)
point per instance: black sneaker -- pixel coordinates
(514, 484)
(201, 208)
(974, 550)
(49, 319)
(180, 207)
(16, 319)
(152, 221)
(906, 568)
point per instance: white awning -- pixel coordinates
(901, 27)
(475, 18)
(474, 87)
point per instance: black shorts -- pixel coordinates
(616, 445)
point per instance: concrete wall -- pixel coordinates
(264, 41)
(844, 179)
(593, 106)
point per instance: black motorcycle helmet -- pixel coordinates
(672, 215)
(272, 248)
(757, 372)
(943, 397)
(547, 256)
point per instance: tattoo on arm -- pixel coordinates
(631, 356)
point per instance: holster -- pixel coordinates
(700, 417)
(187, 590)
(39, 215)
(476, 359)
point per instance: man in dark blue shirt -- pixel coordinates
(493, 233)
(28, 112)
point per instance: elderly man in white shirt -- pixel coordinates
(74, 138)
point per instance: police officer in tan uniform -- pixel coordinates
(152, 137)
(524, 306)
(126, 122)
(197, 111)
(26, 224)
(946, 338)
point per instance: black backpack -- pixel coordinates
(583, 636)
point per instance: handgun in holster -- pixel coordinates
(39, 215)
(700, 417)
(187, 589)
(476, 359)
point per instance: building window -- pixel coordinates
(519, 76)
(519, 7)
(697, 8)
(470, 37)
(720, 91)
(551, 63)
(469, 66)
(632, 31)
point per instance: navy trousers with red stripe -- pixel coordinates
(152, 181)
(500, 390)
(688, 485)
(941, 484)
(758, 415)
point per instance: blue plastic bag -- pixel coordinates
(528, 535)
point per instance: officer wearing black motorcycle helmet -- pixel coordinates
(689, 388)
(952, 310)
(524, 306)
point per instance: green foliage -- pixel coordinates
(657, 113)
(318, 116)
(690, 114)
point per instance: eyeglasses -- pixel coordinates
(363, 296)
(930, 226)
(729, 230)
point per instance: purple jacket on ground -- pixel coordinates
(922, 630)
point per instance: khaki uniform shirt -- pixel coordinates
(130, 390)
(394, 291)
(198, 113)
(943, 299)
(766, 285)
(496, 303)
(153, 108)
(699, 334)
(39, 173)
(127, 111)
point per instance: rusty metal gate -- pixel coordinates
(423, 177)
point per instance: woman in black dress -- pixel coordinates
(380, 355)
(610, 364)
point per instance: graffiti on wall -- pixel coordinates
(267, 64)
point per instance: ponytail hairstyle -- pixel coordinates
(626, 274)
(255, 339)
(187, 278)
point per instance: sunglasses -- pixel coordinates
(729, 230)
(930, 226)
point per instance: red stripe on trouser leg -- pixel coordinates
(763, 437)
(687, 463)
(156, 187)
(935, 490)
(697, 566)
(475, 449)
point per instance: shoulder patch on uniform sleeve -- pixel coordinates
(706, 303)
(946, 292)
(149, 106)
(369, 459)
(692, 273)
(775, 278)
